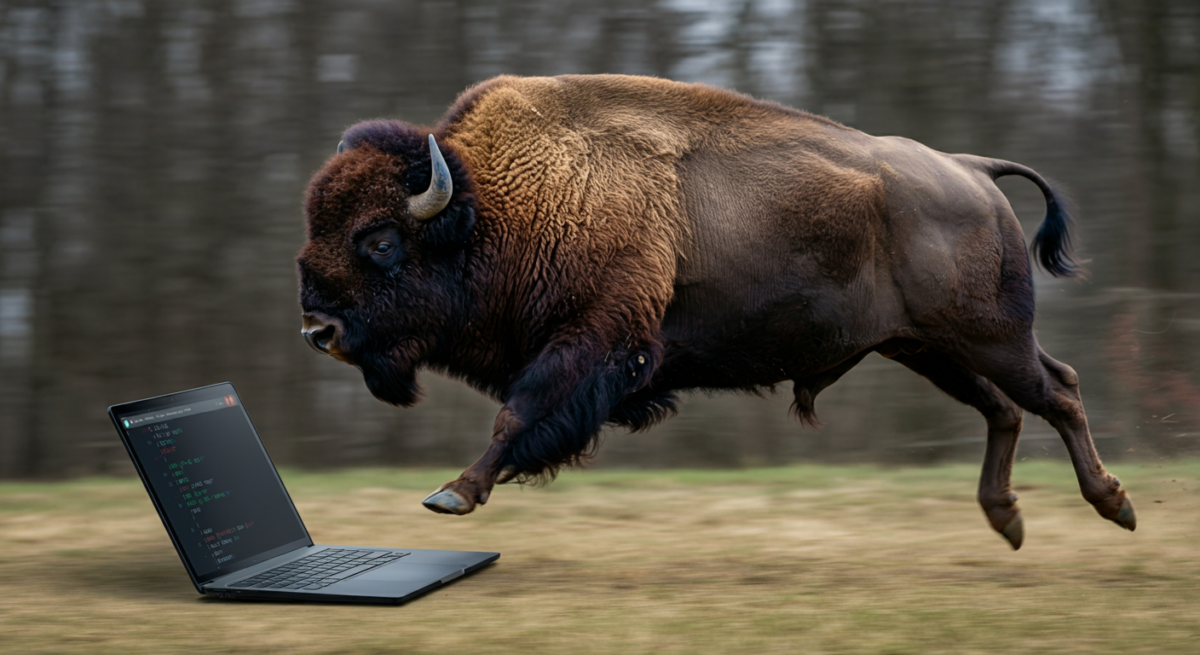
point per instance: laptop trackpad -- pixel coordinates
(400, 578)
(415, 572)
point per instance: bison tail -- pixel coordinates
(1051, 245)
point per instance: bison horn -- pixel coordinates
(341, 147)
(426, 205)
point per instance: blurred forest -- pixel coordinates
(154, 155)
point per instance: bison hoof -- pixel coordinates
(448, 501)
(1126, 517)
(1014, 532)
(1005, 518)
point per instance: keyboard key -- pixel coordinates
(354, 571)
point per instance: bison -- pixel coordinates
(582, 248)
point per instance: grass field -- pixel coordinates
(804, 559)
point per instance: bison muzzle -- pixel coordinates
(582, 248)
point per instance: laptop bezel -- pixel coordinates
(115, 412)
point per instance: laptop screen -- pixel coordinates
(211, 479)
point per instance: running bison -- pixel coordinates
(582, 248)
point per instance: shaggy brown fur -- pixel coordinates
(614, 239)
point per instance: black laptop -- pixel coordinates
(235, 526)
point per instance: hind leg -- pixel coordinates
(1003, 417)
(1050, 389)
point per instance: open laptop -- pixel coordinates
(235, 526)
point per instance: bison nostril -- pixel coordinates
(322, 333)
(320, 338)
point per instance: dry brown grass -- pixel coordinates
(804, 559)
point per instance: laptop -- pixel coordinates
(234, 525)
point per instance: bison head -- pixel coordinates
(381, 275)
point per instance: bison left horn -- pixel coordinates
(426, 205)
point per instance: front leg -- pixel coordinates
(551, 418)
(475, 484)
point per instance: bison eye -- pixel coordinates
(383, 246)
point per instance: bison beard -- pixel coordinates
(593, 244)
(392, 377)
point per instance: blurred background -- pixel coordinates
(155, 156)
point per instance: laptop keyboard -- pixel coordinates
(320, 570)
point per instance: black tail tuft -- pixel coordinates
(1051, 245)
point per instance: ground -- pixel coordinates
(803, 559)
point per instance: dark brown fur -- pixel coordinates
(614, 239)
